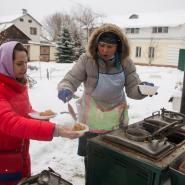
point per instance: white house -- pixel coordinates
(155, 38)
(37, 48)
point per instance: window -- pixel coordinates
(44, 50)
(151, 52)
(30, 21)
(138, 51)
(33, 31)
(132, 30)
(21, 19)
(165, 29)
(160, 30)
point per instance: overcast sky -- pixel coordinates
(41, 8)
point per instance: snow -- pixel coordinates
(5, 26)
(9, 18)
(165, 18)
(61, 154)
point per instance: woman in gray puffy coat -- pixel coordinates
(107, 73)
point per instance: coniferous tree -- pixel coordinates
(65, 52)
(79, 49)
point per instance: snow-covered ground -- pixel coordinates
(61, 154)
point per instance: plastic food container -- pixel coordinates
(148, 90)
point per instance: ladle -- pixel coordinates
(72, 112)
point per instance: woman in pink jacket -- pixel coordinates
(16, 127)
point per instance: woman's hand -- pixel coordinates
(68, 132)
(65, 95)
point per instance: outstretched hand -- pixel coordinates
(147, 89)
(68, 132)
(65, 95)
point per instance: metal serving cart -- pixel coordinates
(139, 154)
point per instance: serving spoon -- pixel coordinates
(72, 112)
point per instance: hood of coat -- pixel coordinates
(6, 58)
(123, 46)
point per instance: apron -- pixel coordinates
(105, 108)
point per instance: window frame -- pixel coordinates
(138, 52)
(151, 52)
(33, 31)
(160, 29)
(132, 30)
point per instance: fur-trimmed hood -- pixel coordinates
(93, 40)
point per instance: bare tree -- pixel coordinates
(54, 23)
(150, 53)
(87, 18)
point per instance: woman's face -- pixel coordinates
(20, 64)
(106, 50)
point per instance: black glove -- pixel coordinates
(146, 83)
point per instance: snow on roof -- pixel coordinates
(9, 18)
(42, 43)
(173, 18)
(5, 26)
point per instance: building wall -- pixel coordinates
(52, 53)
(26, 25)
(166, 51)
(175, 32)
(167, 45)
(34, 52)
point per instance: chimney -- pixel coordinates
(24, 11)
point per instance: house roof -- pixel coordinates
(11, 18)
(42, 43)
(9, 28)
(156, 19)
(5, 26)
